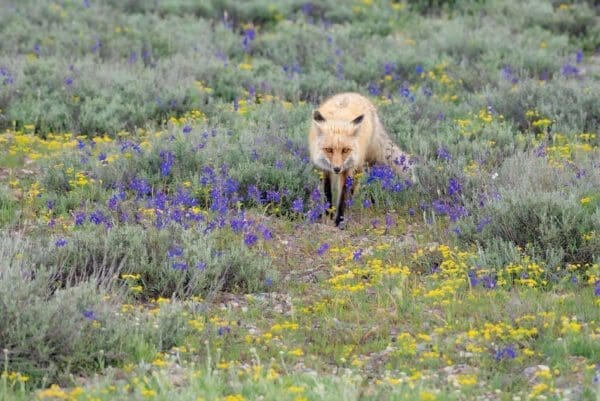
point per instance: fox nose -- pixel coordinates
(336, 170)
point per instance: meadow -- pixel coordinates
(160, 217)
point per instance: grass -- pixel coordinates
(160, 215)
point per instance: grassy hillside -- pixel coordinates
(161, 237)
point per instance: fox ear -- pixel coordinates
(358, 119)
(318, 117)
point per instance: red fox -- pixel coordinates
(346, 134)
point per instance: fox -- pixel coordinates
(346, 134)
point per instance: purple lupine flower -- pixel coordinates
(89, 314)
(174, 251)
(570, 70)
(505, 353)
(298, 205)
(250, 239)
(266, 233)
(473, 280)
(97, 217)
(179, 265)
(249, 36)
(444, 154)
(79, 218)
(223, 330)
(389, 220)
(61, 242)
(168, 159)
(323, 248)
(273, 196)
(454, 187)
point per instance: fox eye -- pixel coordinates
(345, 150)
(328, 150)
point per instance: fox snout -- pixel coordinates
(337, 170)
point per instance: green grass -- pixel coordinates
(158, 205)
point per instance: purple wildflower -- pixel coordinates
(167, 162)
(79, 218)
(250, 239)
(60, 242)
(505, 353)
(179, 266)
(298, 205)
(174, 251)
(444, 154)
(323, 248)
(97, 217)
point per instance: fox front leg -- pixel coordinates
(327, 191)
(342, 197)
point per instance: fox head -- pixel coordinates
(336, 142)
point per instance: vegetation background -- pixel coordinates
(160, 220)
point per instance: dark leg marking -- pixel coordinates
(341, 204)
(327, 191)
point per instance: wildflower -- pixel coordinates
(201, 266)
(357, 255)
(323, 248)
(490, 282)
(266, 233)
(269, 282)
(444, 154)
(179, 265)
(389, 221)
(505, 353)
(406, 93)
(167, 162)
(484, 222)
(53, 392)
(187, 129)
(374, 89)
(223, 330)
(249, 36)
(174, 251)
(250, 239)
(454, 187)
(79, 218)
(60, 242)
(570, 70)
(273, 196)
(89, 314)
(298, 205)
(97, 217)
